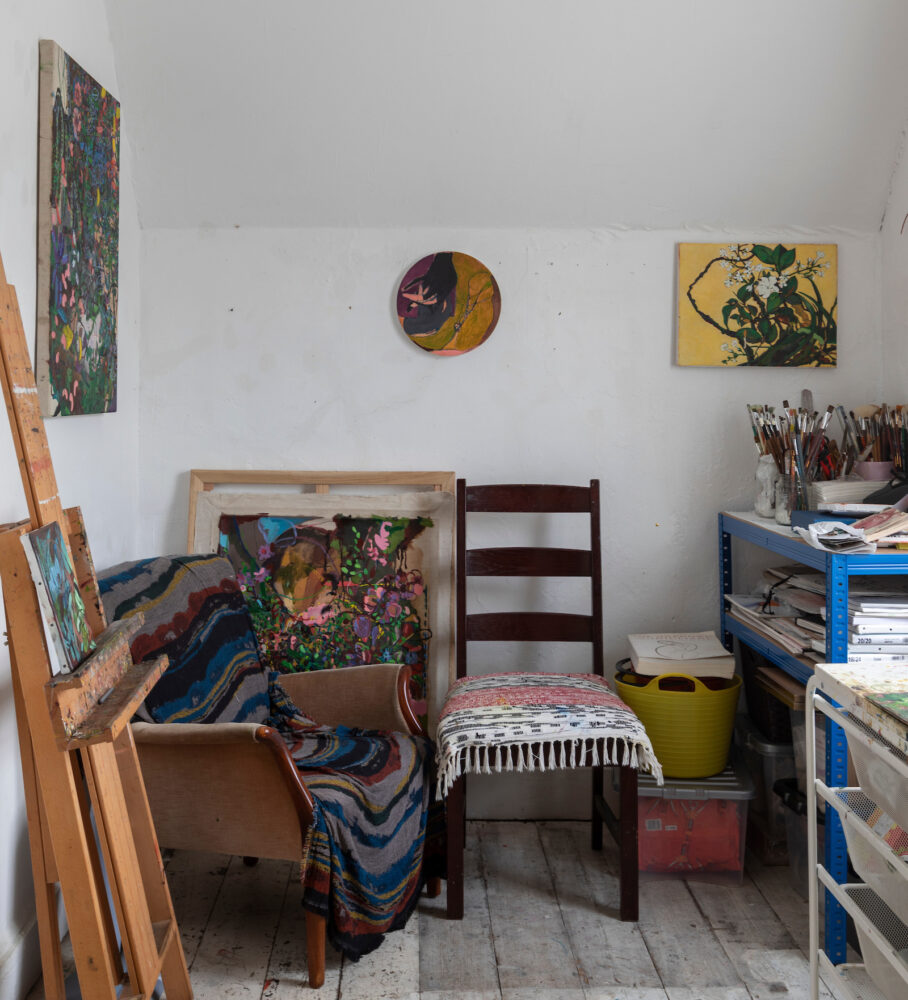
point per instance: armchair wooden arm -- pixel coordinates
(195, 774)
(370, 697)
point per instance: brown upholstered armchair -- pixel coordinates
(238, 770)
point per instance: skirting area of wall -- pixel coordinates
(20, 967)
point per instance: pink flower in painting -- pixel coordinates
(378, 543)
(393, 609)
(265, 552)
(260, 574)
(362, 626)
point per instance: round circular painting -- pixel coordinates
(448, 303)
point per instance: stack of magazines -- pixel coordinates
(877, 614)
(773, 618)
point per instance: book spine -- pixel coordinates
(895, 625)
(876, 638)
(876, 658)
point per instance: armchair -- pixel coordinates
(232, 765)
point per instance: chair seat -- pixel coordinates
(535, 721)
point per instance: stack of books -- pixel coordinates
(698, 654)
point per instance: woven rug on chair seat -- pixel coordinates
(514, 722)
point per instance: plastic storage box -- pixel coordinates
(882, 783)
(767, 763)
(873, 867)
(793, 804)
(886, 978)
(799, 742)
(694, 828)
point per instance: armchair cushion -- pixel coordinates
(195, 613)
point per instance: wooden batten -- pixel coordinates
(84, 567)
(21, 396)
(205, 480)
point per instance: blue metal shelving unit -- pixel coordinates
(838, 568)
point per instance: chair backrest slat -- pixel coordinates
(528, 562)
(528, 498)
(514, 626)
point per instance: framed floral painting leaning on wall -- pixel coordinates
(757, 304)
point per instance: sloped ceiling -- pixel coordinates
(642, 113)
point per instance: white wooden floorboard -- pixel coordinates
(759, 946)
(678, 937)
(709, 993)
(459, 951)
(609, 952)
(287, 976)
(541, 924)
(391, 972)
(625, 993)
(231, 962)
(195, 879)
(777, 887)
(459, 995)
(532, 947)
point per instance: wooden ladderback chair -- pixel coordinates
(524, 721)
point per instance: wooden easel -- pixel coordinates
(63, 723)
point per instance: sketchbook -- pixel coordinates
(699, 654)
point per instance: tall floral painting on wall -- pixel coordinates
(757, 304)
(78, 238)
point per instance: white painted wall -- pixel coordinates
(95, 456)
(513, 112)
(272, 348)
(895, 285)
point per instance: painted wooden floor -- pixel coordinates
(541, 924)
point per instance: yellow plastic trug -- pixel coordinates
(690, 729)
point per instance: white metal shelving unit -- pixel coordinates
(880, 752)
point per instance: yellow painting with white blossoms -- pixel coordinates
(757, 304)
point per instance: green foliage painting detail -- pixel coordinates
(337, 593)
(774, 312)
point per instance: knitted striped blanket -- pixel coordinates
(500, 721)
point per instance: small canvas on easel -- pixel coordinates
(58, 594)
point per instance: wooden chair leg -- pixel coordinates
(598, 788)
(315, 948)
(433, 887)
(627, 846)
(454, 821)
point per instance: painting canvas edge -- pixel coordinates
(48, 54)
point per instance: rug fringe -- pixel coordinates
(605, 751)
